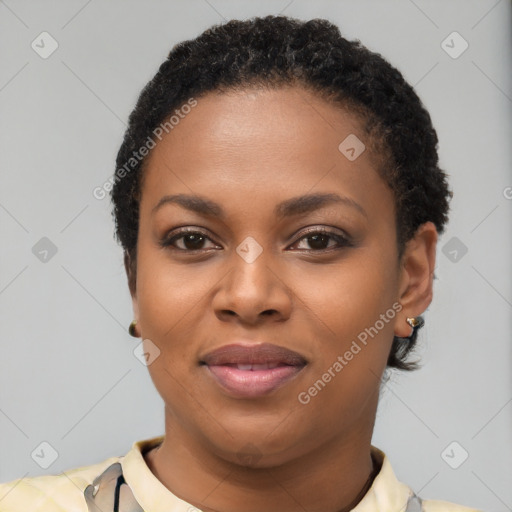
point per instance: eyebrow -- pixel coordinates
(294, 206)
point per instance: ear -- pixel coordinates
(416, 276)
(129, 267)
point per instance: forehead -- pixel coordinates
(251, 117)
(252, 141)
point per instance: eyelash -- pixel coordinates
(341, 240)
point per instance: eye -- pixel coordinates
(319, 238)
(191, 240)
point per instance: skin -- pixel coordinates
(248, 150)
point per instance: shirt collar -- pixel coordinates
(387, 493)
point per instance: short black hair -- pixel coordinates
(276, 51)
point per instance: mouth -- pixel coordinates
(251, 371)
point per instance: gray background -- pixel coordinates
(68, 374)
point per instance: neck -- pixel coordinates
(334, 477)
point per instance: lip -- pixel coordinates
(252, 370)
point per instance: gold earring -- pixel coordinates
(131, 329)
(416, 322)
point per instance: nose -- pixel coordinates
(253, 292)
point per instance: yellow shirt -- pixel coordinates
(128, 480)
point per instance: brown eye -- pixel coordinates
(319, 240)
(190, 241)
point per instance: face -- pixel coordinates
(263, 263)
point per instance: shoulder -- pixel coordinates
(389, 493)
(445, 506)
(51, 493)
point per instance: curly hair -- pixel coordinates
(277, 51)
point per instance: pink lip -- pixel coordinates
(222, 365)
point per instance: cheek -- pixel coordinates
(353, 339)
(349, 297)
(346, 308)
(169, 295)
(170, 303)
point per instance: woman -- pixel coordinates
(278, 200)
